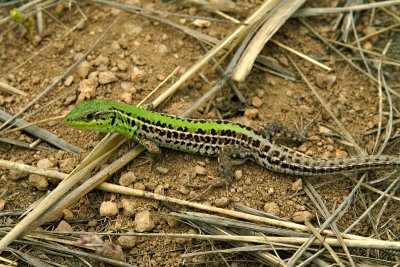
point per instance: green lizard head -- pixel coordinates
(94, 114)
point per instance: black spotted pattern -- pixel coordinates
(264, 152)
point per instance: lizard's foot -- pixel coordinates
(279, 132)
(153, 151)
(148, 106)
(230, 156)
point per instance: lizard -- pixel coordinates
(214, 138)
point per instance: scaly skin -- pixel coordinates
(210, 138)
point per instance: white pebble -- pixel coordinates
(144, 221)
(106, 77)
(108, 208)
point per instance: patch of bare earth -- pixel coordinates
(134, 58)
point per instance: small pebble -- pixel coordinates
(160, 77)
(314, 138)
(330, 141)
(201, 23)
(248, 181)
(126, 86)
(251, 113)
(297, 185)
(310, 153)
(201, 163)
(68, 215)
(63, 226)
(370, 125)
(123, 42)
(94, 75)
(125, 76)
(2, 204)
(150, 185)
(83, 69)
(368, 46)
(238, 174)
(122, 65)
(39, 181)
(302, 216)
(69, 100)
(67, 164)
(283, 60)
(340, 153)
(127, 178)
(271, 80)
(45, 164)
(112, 251)
(138, 60)
(101, 60)
(172, 221)
(375, 120)
(115, 46)
(127, 241)
(144, 221)
(86, 89)
(303, 148)
(221, 202)
(259, 93)
(324, 130)
(211, 115)
(106, 77)
(132, 29)
(200, 170)
(369, 30)
(35, 80)
(137, 74)
(325, 81)
(9, 99)
(69, 80)
(183, 190)
(139, 186)
(126, 97)
(162, 49)
(59, 46)
(330, 148)
(128, 207)
(305, 109)
(162, 170)
(272, 208)
(36, 40)
(193, 195)
(256, 101)
(92, 223)
(108, 208)
(270, 191)
(16, 174)
(159, 190)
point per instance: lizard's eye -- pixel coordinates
(89, 117)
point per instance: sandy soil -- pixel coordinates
(130, 62)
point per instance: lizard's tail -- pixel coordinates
(291, 163)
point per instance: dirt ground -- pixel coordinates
(133, 58)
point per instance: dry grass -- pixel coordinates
(262, 238)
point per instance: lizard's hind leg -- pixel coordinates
(230, 156)
(281, 133)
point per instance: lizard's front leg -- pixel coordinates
(152, 148)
